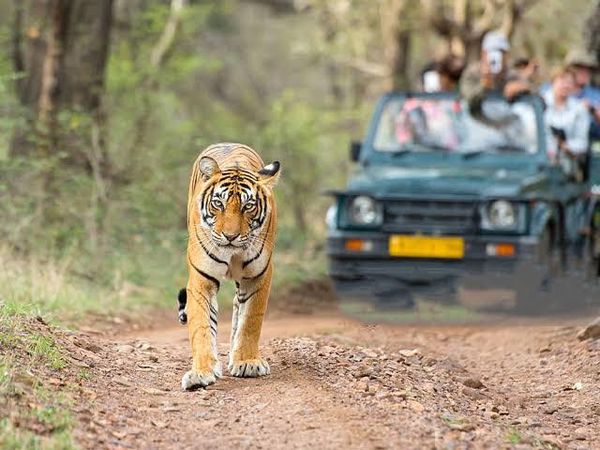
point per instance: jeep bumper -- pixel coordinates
(373, 264)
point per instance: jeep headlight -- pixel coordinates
(366, 211)
(331, 217)
(502, 215)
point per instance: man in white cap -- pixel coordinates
(490, 74)
(583, 64)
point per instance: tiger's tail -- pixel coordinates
(182, 302)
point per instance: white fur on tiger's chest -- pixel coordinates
(234, 272)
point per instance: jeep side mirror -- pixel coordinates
(355, 147)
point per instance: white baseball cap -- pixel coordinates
(495, 40)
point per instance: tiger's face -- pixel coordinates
(234, 204)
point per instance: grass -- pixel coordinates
(14, 334)
(298, 265)
(62, 290)
(32, 415)
(84, 375)
(43, 287)
(58, 291)
(14, 438)
(424, 313)
(513, 437)
(53, 412)
(44, 348)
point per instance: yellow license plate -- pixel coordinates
(427, 247)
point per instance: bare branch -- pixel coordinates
(513, 13)
(509, 18)
(368, 68)
(441, 23)
(461, 12)
(486, 21)
(389, 17)
(168, 35)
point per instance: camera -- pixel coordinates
(494, 59)
(558, 133)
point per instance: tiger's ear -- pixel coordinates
(208, 167)
(269, 175)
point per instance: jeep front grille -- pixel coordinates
(429, 216)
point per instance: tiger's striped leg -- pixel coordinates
(234, 319)
(202, 328)
(250, 304)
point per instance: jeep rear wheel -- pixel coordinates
(534, 285)
(544, 287)
(591, 258)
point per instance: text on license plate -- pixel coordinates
(427, 246)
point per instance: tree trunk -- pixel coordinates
(61, 47)
(592, 32)
(300, 216)
(330, 29)
(396, 41)
(401, 79)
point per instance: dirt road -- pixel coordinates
(336, 383)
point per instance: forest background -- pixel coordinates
(104, 106)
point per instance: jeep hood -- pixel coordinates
(446, 181)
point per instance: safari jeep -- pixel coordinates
(444, 197)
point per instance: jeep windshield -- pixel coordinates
(445, 124)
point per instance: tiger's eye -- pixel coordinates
(217, 204)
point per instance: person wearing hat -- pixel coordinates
(567, 118)
(527, 68)
(491, 74)
(583, 64)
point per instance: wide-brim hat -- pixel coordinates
(581, 57)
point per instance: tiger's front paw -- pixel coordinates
(249, 368)
(196, 380)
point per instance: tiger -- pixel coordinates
(232, 223)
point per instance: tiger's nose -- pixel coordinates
(230, 237)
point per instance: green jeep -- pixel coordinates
(444, 198)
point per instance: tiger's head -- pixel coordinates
(235, 202)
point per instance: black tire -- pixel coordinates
(394, 301)
(535, 284)
(591, 258)
(591, 269)
(372, 296)
(545, 287)
(442, 292)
